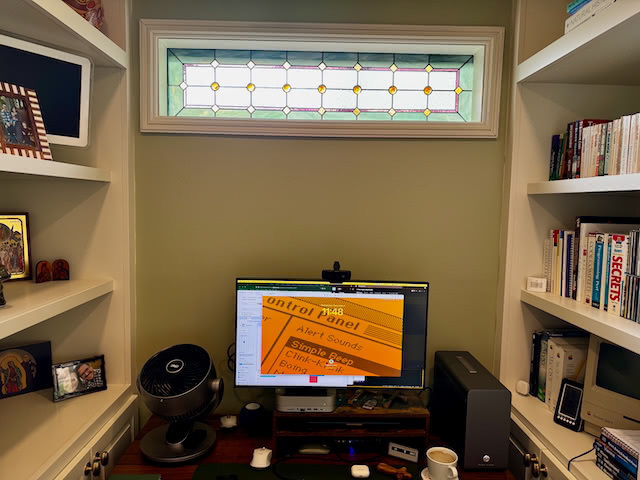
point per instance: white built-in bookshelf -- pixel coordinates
(81, 209)
(592, 72)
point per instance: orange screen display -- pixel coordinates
(332, 336)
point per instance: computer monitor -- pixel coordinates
(308, 333)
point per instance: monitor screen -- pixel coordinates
(300, 333)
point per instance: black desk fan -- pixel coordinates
(179, 384)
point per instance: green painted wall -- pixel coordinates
(212, 208)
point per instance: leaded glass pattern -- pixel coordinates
(319, 85)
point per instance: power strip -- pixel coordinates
(400, 451)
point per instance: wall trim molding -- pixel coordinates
(155, 33)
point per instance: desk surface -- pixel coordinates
(235, 447)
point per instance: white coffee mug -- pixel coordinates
(439, 467)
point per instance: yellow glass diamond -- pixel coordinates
(428, 68)
(321, 111)
(427, 90)
(392, 112)
(458, 90)
(393, 89)
(322, 88)
(251, 87)
(357, 67)
(286, 87)
(427, 112)
(393, 67)
(215, 86)
(356, 111)
(357, 89)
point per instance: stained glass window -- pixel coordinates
(294, 85)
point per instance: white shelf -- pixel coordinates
(29, 303)
(37, 432)
(618, 330)
(603, 50)
(54, 23)
(606, 184)
(47, 168)
(563, 443)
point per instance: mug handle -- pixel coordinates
(452, 473)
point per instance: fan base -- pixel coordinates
(155, 448)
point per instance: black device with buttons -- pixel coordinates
(569, 405)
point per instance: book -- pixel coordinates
(588, 269)
(624, 147)
(617, 265)
(598, 264)
(556, 142)
(588, 224)
(585, 13)
(535, 362)
(608, 439)
(605, 451)
(576, 5)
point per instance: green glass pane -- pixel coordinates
(409, 117)
(305, 58)
(408, 60)
(466, 76)
(445, 117)
(233, 114)
(379, 116)
(338, 116)
(304, 116)
(333, 59)
(267, 57)
(375, 59)
(193, 55)
(175, 74)
(233, 57)
(465, 105)
(269, 114)
(448, 61)
(196, 112)
(175, 100)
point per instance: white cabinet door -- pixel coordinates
(75, 469)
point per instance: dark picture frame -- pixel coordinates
(22, 130)
(15, 245)
(78, 377)
(25, 369)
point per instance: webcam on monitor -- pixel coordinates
(336, 275)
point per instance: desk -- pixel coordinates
(235, 446)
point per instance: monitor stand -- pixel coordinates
(306, 399)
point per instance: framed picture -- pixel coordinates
(15, 246)
(25, 369)
(79, 377)
(22, 131)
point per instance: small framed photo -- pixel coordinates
(79, 377)
(15, 246)
(22, 131)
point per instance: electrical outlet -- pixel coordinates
(403, 452)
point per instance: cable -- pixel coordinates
(231, 357)
(578, 456)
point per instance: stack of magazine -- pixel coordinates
(582, 10)
(617, 453)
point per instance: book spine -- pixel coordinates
(610, 441)
(597, 271)
(546, 255)
(563, 264)
(635, 160)
(588, 274)
(624, 148)
(607, 150)
(614, 146)
(612, 468)
(535, 363)
(585, 13)
(551, 353)
(619, 246)
(607, 452)
(566, 171)
(602, 150)
(606, 274)
(571, 254)
(542, 370)
(633, 143)
(555, 151)
(576, 258)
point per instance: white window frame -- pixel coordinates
(156, 36)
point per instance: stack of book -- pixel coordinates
(617, 453)
(556, 354)
(597, 264)
(582, 10)
(592, 148)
